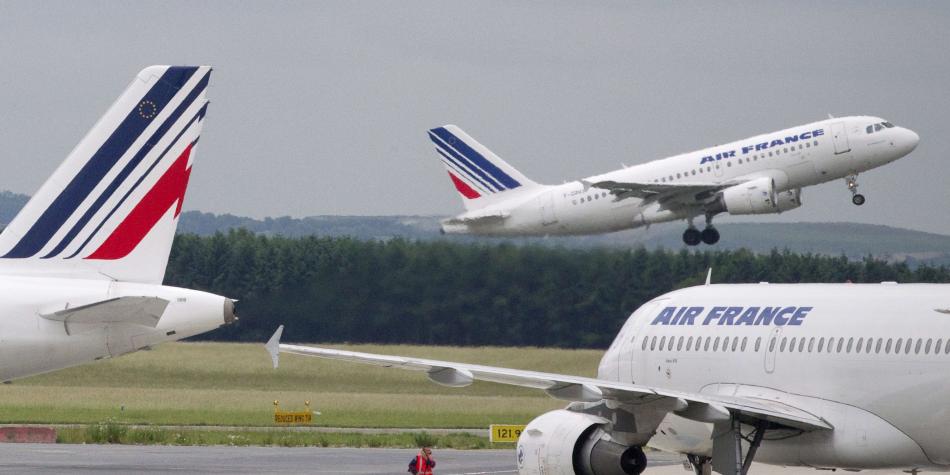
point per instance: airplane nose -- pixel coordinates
(912, 139)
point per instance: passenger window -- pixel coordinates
(857, 349)
(758, 344)
(725, 344)
(815, 143)
(887, 347)
(791, 346)
(937, 346)
(877, 349)
(927, 348)
(831, 343)
(897, 347)
(678, 175)
(799, 146)
(728, 164)
(947, 351)
(917, 347)
(821, 344)
(850, 342)
(653, 344)
(706, 346)
(670, 346)
(644, 344)
(735, 343)
(801, 345)
(709, 169)
(740, 161)
(807, 144)
(689, 344)
(745, 340)
(784, 342)
(716, 344)
(662, 343)
(908, 345)
(785, 150)
(772, 344)
(770, 154)
(868, 344)
(694, 172)
(840, 345)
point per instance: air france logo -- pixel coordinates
(778, 316)
(763, 145)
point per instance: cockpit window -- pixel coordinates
(879, 126)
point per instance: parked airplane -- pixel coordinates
(761, 174)
(831, 376)
(81, 266)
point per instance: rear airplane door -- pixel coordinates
(840, 135)
(547, 209)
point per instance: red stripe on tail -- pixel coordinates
(169, 190)
(463, 187)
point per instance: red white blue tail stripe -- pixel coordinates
(471, 172)
(129, 172)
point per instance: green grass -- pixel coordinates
(234, 384)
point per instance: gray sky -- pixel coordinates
(322, 107)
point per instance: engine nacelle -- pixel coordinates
(788, 199)
(753, 197)
(567, 443)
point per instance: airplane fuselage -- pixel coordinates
(792, 159)
(873, 360)
(31, 344)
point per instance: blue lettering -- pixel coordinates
(730, 315)
(765, 318)
(664, 317)
(748, 317)
(776, 142)
(678, 315)
(761, 146)
(818, 132)
(746, 149)
(780, 317)
(690, 316)
(805, 136)
(793, 138)
(800, 315)
(731, 153)
(705, 159)
(714, 313)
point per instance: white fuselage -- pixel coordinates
(835, 355)
(820, 152)
(31, 344)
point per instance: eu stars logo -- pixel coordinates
(147, 109)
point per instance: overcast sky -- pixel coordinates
(322, 107)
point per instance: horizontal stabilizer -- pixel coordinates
(478, 218)
(145, 311)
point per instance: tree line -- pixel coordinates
(441, 292)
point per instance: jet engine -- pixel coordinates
(564, 442)
(753, 197)
(789, 199)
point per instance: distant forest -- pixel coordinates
(438, 292)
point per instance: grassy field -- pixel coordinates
(234, 384)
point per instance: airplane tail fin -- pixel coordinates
(111, 208)
(478, 174)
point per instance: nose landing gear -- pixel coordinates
(852, 182)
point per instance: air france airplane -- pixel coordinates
(757, 175)
(830, 376)
(82, 264)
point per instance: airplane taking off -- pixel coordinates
(830, 376)
(81, 265)
(758, 175)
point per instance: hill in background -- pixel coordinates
(850, 239)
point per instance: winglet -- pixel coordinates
(709, 276)
(273, 345)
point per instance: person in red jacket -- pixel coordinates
(423, 463)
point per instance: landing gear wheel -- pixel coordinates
(858, 199)
(633, 461)
(692, 236)
(710, 235)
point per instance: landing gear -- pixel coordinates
(727, 457)
(692, 236)
(852, 182)
(701, 465)
(710, 235)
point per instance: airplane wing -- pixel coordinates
(696, 406)
(145, 311)
(656, 191)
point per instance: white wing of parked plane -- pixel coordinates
(701, 407)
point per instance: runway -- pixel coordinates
(133, 459)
